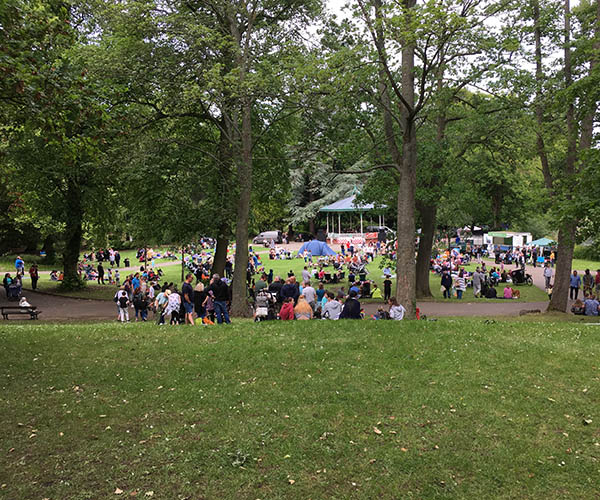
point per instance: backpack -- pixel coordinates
(123, 301)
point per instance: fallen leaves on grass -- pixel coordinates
(377, 431)
(118, 491)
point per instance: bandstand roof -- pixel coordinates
(347, 205)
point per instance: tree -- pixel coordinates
(566, 104)
(58, 122)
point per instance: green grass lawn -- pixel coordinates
(581, 265)
(446, 409)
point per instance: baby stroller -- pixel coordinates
(264, 306)
(14, 291)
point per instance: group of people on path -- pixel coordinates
(167, 302)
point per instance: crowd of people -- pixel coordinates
(166, 302)
(589, 306)
(290, 299)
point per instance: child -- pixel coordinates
(117, 277)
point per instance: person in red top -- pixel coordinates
(287, 309)
(597, 282)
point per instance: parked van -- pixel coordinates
(266, 237)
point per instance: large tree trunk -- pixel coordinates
(221, 253)
(73, 236)
(239, 306)
(560, 289)
(405, 255)
(428, 225)
(566, 233)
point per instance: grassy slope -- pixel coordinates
(464, 410)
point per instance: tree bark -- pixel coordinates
(239, 306)
(73, 236)
(566, 233)
(428, 225)
(405, 255)
(221, 253)
(564, 259)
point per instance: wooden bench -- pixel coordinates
(32, 311)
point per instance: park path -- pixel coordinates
(56, 308)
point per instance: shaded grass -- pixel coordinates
(463, 408)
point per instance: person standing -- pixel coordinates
(309, 294)
(100, 273)
(574, 286)
(446, 284)
(117, 258)
(477, 277)
(597, 282)
(34, 274)
(228, 268)
(19, 265)
(187, 293)
(160, 304)
(305, 274)
(461, 284)
(547, 274)
(122, 300)
(387, 288)
(221, 293)
(588, 283)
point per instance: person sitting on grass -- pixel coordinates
(376, 292)
(381, 314)
(303, 310)
(591, 306)
(351, 308)
(287, 309)
(332, 308)
(397, 311)
(578, 307)
(508, 292)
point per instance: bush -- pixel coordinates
(587, 252)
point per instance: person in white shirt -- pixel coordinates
(397, 311)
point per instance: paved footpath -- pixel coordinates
(57, 308)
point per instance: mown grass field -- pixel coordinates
(446, 409)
